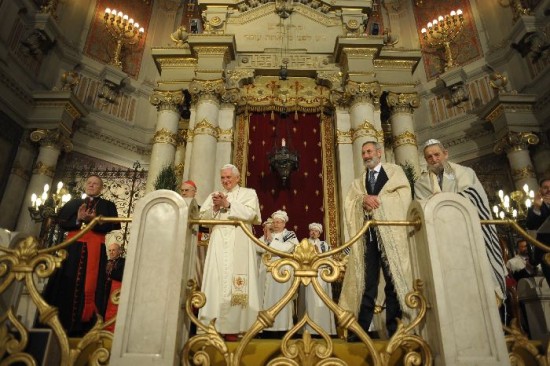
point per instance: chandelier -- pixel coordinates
(47, 204)
(515, 205)
(283, 161)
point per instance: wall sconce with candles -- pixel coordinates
(515, 205)
(47, 204)
(123, 30)
(442, 31)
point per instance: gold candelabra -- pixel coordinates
(442, 31)
(47, 204)
(515, 205)
(124, 31)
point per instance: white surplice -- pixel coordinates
(315, 307)
(230, 270)
(273, 291)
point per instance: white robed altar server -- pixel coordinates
(283, 240)
(230, 271)
(316, 309)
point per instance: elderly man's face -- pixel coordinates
(314, 234)
(435, 157)
(545, 191)
(114, 251)
(229, 180)
(278, 225)
(371, 156)
(93, 186)
(187, 190)
(522, 248)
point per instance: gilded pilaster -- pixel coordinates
(516, 145)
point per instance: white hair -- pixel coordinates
(234, 169)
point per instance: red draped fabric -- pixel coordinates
(302, 197)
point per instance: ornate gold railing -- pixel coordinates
(522, 350)
(25, 263)
(307, 264)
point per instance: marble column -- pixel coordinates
(51, 144)
(179, 158)
(165, 138)
(18, 179)
(363, 124)
(405, 147)
(516, 144)
(203, 169)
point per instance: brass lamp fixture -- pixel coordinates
(123, 30)
(47, 204)
(515, 205)
(283, 161)
(442, 31)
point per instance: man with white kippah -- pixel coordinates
(444, 176)
(230, 270)
(285, 241)
(315, 307)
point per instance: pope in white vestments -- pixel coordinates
(230, 271)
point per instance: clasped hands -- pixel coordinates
(370, 202)
(219, 201)
(85, 215)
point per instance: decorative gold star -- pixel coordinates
(306, 174)
(306, 207)
(317, 192)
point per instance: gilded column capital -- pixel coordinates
(42, 169)
(405, 138)
(238, 77)
(363, 92)
(167, 100)
(331, 79)
(515, 141)
(164, 136)
(402, 102)
(207, 89)
(206, 128)
(367, 129)
(52, 138)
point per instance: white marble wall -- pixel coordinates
(463, 325)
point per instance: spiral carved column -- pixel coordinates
(516, 144)
(405, 147)
(165, 138)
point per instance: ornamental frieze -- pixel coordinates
(52, 138)
(222, 51)
(343, 137)
(405, 138)
(523, 173)
(515, 141)
(225, 135)
(333, 79)
(164, 136)
(42, 169)
(206, 128)
(500, 109)
(166, 99)
(402, 102)
(367, 129)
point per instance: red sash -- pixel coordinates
(93, 243)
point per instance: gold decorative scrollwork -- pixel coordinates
(333, 79)
(206, 128)
(207, 88)
(225, 135)
(42, 169)
(405, 138)
(52, 138)
(526, 172)
(367, 129)
(515, 141)
(164, 136)
(402, 102)
(166, 99)
(343, 137)
(363, 92)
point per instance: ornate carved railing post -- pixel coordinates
(405, 146)
(165, 138)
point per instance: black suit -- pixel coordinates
(373, 263)
(533, 222)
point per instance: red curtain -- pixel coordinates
(302, 197)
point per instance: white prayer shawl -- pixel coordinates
(230, 271)
(395, 199)
(315, 307)
(273, 291)
(463, 180)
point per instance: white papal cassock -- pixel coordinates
(230, 270)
